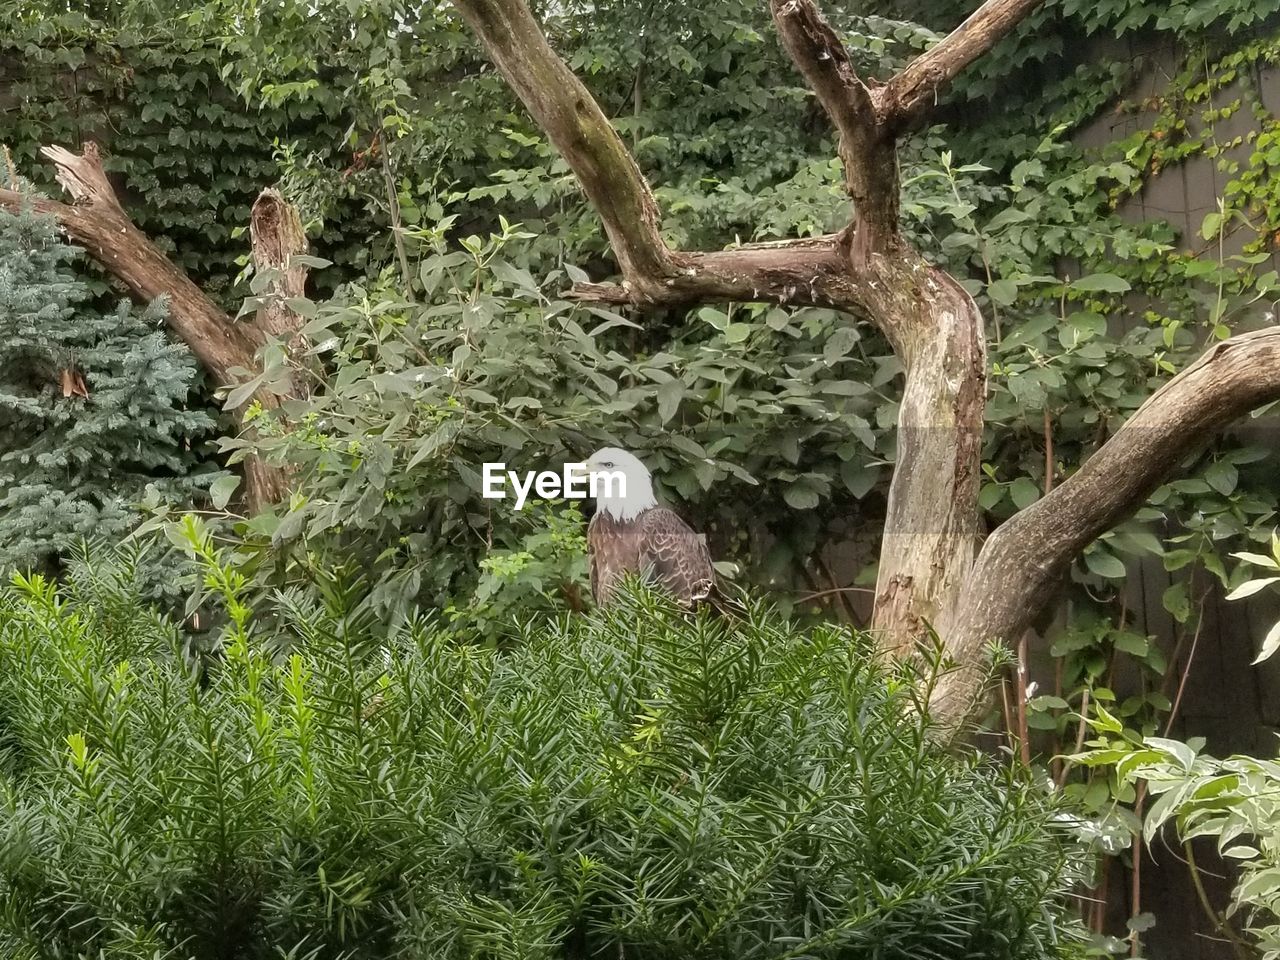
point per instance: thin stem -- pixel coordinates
(1023, 737)
(1240, 948)
(1186, 671)
(1080, 732)
(1048, 452)
(1135, 878)
(1008, 714)
(393, 204)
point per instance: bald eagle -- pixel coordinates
(630, 533)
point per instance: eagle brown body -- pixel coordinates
(656, 544)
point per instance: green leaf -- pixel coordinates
(306, 260)
(669, 396)
(1024, 492)
(1222, 476)
(289, 527)
(433, 441)
(840, 343)
(1100, 283)
(1177, 600)
(992, 493)
(1250, 587)
(777, 318)
(1258, 560)
(859, 478)
(1131, 643)
(1142, 922)
(302, 306)
(240, 395)
(1003, 292)
(800, 497)
(1104, 564)
(220, 490)
(1182, 753)
(1103, 721)
(1270, 643)
(714, 316)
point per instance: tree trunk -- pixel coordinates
(931, 525)
(277, 241)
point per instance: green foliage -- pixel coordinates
(92, 405)
(186, 155)
(737, 414)
(643, 782)
(1271, 564)
(1234, 801)
(546, 573)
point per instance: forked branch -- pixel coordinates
(867, 150)
(824, 62)
(866, 117)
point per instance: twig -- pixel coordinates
(841, 592)
(1008, 714)
(1135, 878)
(397, 226)
(823, 593)
(1186, 671)
(1080, 732)
(1048, 452)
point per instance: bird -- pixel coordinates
(631, 533)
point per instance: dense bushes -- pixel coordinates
(640, 785)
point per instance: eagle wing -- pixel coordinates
(678, 557)
(614, 549)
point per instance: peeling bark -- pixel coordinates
(931, 524)
(276, 239)
(913, 93)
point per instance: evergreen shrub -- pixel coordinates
(638, 783)
(93, 404)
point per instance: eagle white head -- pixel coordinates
(624, 501)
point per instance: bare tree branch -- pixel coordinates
(824, 62)
(1021, 566)
(570, 116)
(83, 177)
(810, 271)
(912, 94)
(97, 222)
